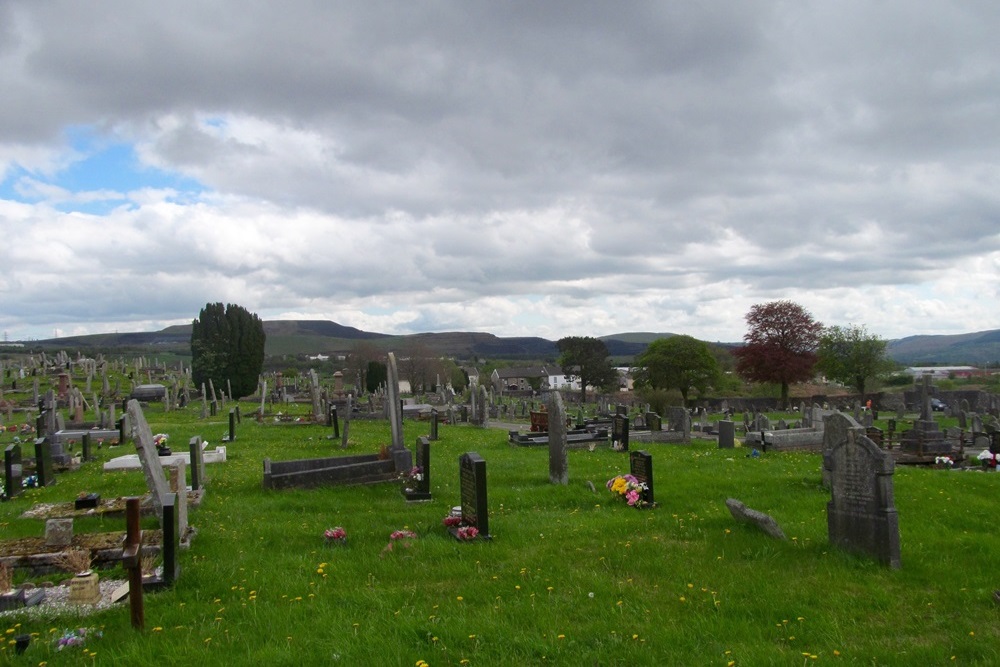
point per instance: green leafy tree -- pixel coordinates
(586, 358)
(376, 375)
(852, 356)
(679, 362)
(779, 346)
(227, 343)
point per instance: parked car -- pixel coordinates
(937, 405)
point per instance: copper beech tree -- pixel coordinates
(779, 346)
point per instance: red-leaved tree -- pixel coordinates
(779, 346)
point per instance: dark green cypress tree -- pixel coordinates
(227, 343)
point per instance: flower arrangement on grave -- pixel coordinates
(451, 521)
(402, 538)
(627, 488)
(467, 533)
(411, 477)
(29, 482)
(989, 459)
(944, 461)
(160, 441)
(336, 535)
(77, 637)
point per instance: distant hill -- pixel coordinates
(298, 337)
(974, 349)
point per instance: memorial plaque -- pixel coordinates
(641, 467)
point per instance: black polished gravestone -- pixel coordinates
(472, 477)
(434, 424)
(333, 420)
(641, 467)
(727, 434)
(418, 487)
(12, 470)
(619, 432)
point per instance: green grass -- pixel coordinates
(571, 577)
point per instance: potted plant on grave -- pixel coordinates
(83, 587)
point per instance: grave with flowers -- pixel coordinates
(417, 481)
(473, 520)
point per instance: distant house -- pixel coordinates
(519, 378)
(473, 375)
(941, 372)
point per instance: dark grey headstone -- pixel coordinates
(43, 463)
(619, 432)
(420, 489)
(653, 422)
(12, 470)
(152, 469)
(395, 412)
(641, 467)
(472, 476)
(861, 516)
(727, 434)
(435, 418)
(197, 463)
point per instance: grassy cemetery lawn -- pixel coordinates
(571, 576)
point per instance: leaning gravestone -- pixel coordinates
(641, 467)
(727, 434)
(472, 477)
(152, 469)
(861, 516)
(558, 461)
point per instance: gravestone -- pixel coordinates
(347, 422)
(58, 532)
(619, 432)
(484, 415)
(963, 420)
(197, 459)
(763, 521)
(152, 469)
(420, 489)
(641, 467)
(558, 460)
(434, 424)
(171, 539)
(12, 470)
(178, 486)
(653, 422)
(836, 426)
(395, 413)
(333, 419)
(727, 434)
(43, 463)
(85, 444)
(472, 477)
(232, 426)
(861, 515)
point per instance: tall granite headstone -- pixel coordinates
(152, 469)
(12, 470)
(641, 467)
(727, 434)
(419, 489)
(619, 432)
(43, 463)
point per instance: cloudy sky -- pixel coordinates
(522, 168)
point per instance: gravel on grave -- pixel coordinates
(56, 602)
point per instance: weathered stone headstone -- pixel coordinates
(419, 489)
(347, 422)
(641, 467)
(395, 413)
(86, 454)
(763, 521)
(558, 460)
(653, 422)
(727, 434)
(434, 424)
(484, 414)
(861, 516)
(472, 476)
(12, 470)
(58, 532)
(333, 420)
(152, 469)
(178, 486)
(619, 432)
